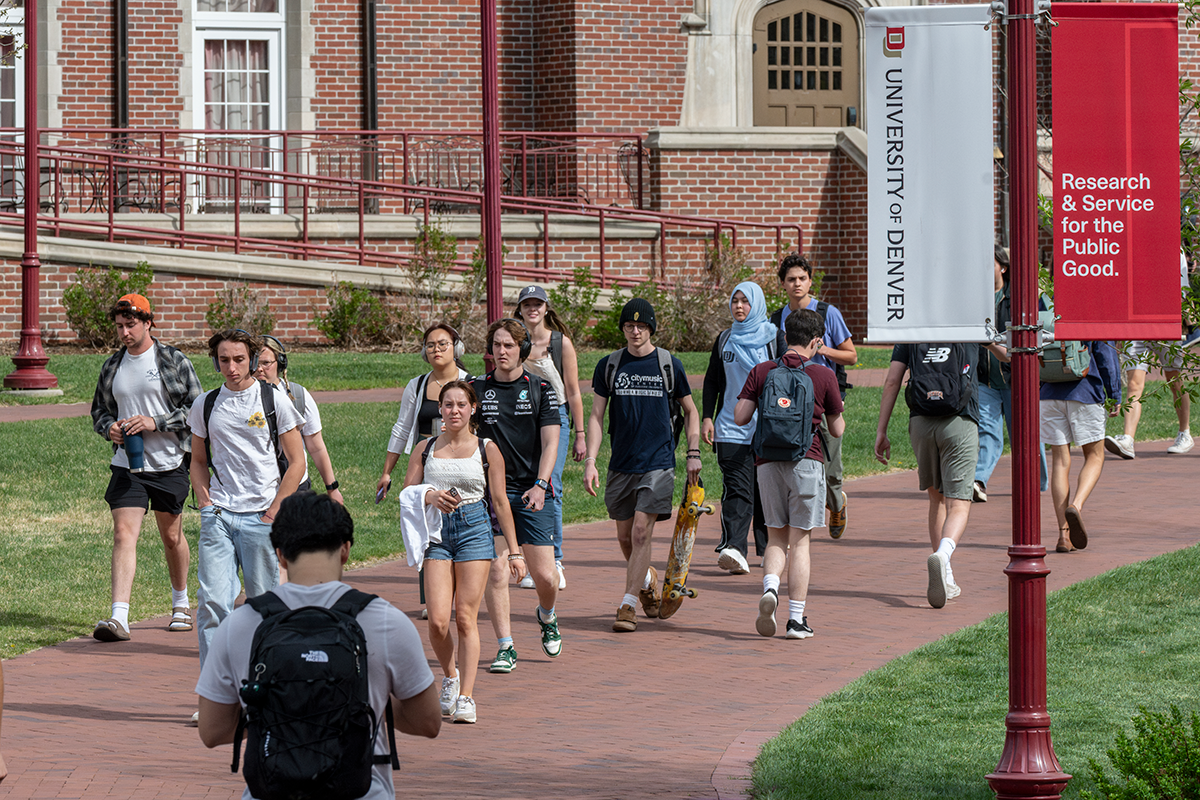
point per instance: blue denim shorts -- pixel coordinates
(466, 536)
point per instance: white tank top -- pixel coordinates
(544, 368)
(463, 474)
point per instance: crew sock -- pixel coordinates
(947, 547)
(120, 612)
(545, 616)
(770, 582)
(629, 600)
(507, 641)
(649, 582)
(179, 598)
(796, 610)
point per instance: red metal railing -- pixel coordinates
(603, 169)
(89, 192)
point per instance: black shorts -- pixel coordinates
(159, 491)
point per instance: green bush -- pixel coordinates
(1161, 762)
(94, 292)
(356, 317)
(240, 307)
(575, 301)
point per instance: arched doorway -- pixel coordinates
(805, 65)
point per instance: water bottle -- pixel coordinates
(135, 450)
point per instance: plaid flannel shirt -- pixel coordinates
(179, 380)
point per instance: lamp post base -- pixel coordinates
(31, 361)
(1028, 768)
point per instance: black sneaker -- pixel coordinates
(799, 630)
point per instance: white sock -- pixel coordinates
(179, 598)
(649, 582)
(946, 547)
(120, 612)
(629, 600)
(506, 641)
(770, 582)
(796, 610)
(545, 616)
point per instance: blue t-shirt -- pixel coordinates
(836, 330)
(639, 414)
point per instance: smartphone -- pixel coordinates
(382, 492)
(454, 493)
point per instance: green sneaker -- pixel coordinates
(551, 640)
(506, 659)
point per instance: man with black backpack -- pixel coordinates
(943, 426)
(645, 390)
(316, 723)
(836, 352)
(239, 430)
(791, 396)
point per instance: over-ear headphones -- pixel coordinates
(459, 347)
(280, 354)
(253, 355)
(526, 345)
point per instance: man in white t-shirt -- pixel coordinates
(144, 392)
(312, 535)
(239, 500)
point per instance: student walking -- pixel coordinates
(552, 358)
(142, 397)
(790, 398)
(312, 535)
(519, 412)
(451, 469)
(737, 350)
(837, 352)
(640, 382)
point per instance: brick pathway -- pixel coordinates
(677, 709)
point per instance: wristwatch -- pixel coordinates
(542, 484)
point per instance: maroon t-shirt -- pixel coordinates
(826, 396)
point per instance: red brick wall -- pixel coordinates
(86, 59)
(337, 64)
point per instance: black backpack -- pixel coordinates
(668, 375)
(308, 717)
(939, 379)
(268, 404)
(785, 414)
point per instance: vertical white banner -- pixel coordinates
(930, 212)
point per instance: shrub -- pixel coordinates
(575, 301)
(1161, 761)
(94, 292)
(240, 307)
(356, 317)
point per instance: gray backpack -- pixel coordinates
(785, 414)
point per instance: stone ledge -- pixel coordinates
(851, 141)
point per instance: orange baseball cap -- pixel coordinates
(137, 301)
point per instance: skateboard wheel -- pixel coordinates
(692, 593)
(708, 510)
(673, 594)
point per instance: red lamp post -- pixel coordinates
(30, 359)
(1028, 767)
(490, 227)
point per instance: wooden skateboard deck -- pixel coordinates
(675, 580)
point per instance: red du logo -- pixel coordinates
(893, 42)
(785, 402)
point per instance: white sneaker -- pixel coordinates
(1183, 443)
(1120, 445)
(939, 585)
(449, 696)
(732, 561)
(953, 591)
(464, 709)
(562, 576)
(526, 582)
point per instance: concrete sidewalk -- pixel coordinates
(677, 709)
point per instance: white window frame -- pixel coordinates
(221, 26)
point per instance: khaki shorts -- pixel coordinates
(947, 449)
(1066, 421)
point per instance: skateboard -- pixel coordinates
(675, 581)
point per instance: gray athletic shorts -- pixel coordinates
(947, 449)
(793, 493)
(650, 492)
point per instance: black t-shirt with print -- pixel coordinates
(507, 416)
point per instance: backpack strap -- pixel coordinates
(556, 350)
(353, 602)
(267, 392)
(781, 344)
(667, 370)
(210, 401)
(723, 339)
(392, 757)
(267, 603)
(611, 366)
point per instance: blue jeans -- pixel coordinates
(564, 441)
(229, 541)
(466, 536)
(994, 405)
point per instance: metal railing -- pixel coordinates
(91, 192)
(602, 169)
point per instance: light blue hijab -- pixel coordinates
(748, 339)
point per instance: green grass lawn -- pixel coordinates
(931, 724)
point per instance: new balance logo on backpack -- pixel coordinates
(939, 380)
(310, 728)
(785, 414)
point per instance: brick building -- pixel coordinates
(731, 109)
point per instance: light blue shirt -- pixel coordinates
(836, 330)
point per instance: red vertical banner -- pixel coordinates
(1116, 170)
